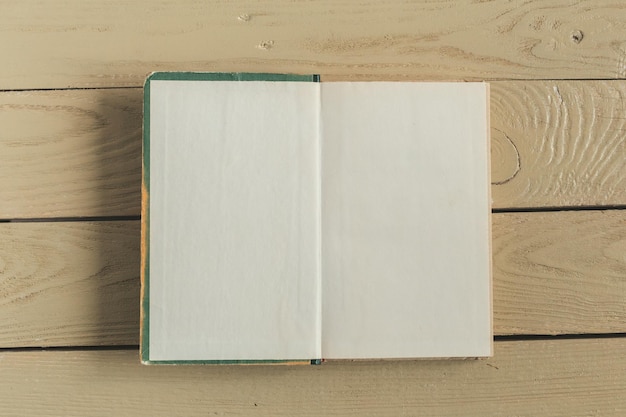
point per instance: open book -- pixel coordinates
(290, 220)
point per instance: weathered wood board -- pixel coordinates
(77, 283)
(117, 43)
(525, 378)
(78, 152)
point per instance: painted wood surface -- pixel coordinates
(77, 283)
(559, 272)
(70, 153)
(558, 143)
(555, 143)
(117, 43)
(78, 152)
(69, 283)
(525, 378)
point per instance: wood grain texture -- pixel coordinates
(78, 153)
(117, 43)
(70, 153)
(559, 272)
(65, 284)
(530, 378)
(74, 283)
(558, 143)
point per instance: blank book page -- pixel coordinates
(405, 220)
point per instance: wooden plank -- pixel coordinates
(70, 153)
(524, 378)
(559, 272)
(73, 283)
(117, 43)
(65, 284)
(558, 144)
(78, 153)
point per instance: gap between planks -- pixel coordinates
(131, 218)
(331, 78)
(497, 339)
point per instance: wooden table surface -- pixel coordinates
(70, 168)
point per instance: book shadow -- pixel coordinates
(118, 153)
